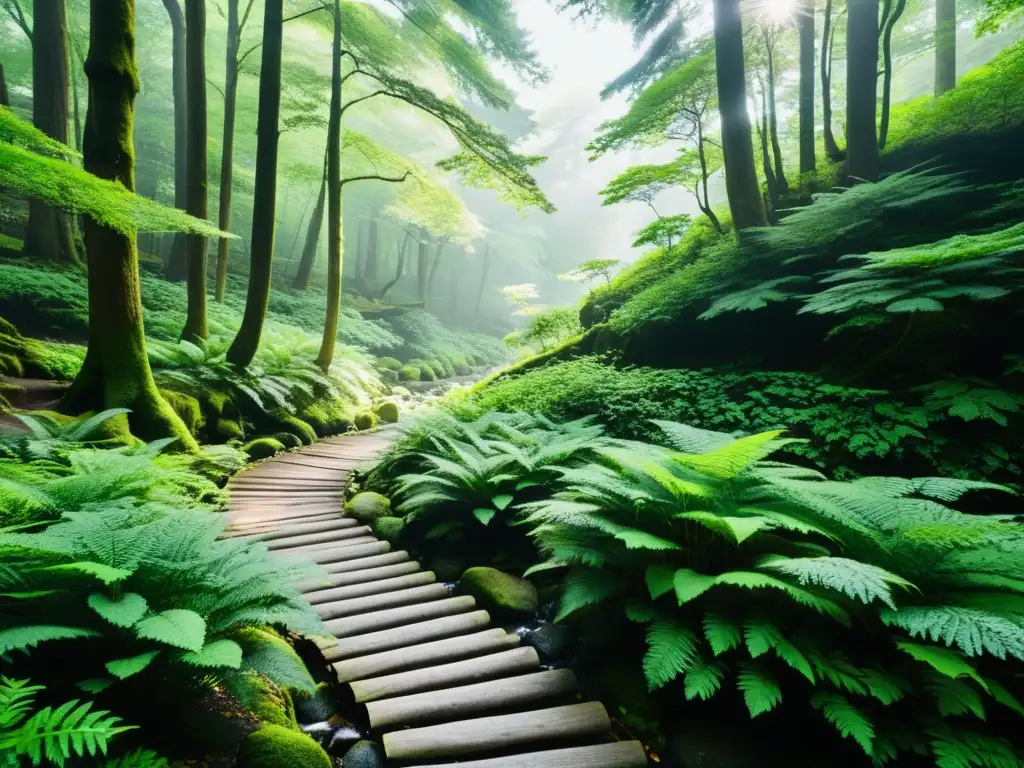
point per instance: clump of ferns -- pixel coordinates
(897, 617)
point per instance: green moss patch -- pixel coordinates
(263, 448)
(274, 746)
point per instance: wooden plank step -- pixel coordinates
(397, 617)
(302, 529)
(344, 554)
(244, 524)
(411, 634)
(325, 552)
(368, 587)
(376, 665)
(319, 537)
(487, 734)
(491, 666)
(292, 483)
(366, 562)
(337, 609)
(620, 754)
(468, 700)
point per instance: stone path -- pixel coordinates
(438, 684)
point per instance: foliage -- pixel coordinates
(546, 328)
(662, 232)
(748, 569)
(591, 269)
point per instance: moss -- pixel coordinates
(391, 377)
(368, 506)
(330, 417)
(8, 329)
(426, 372)
(287, 439)
(437, 368)
(447, 364)
(187, 408)
(499, 592)
(300, 429)
(10, 365)
(229, 429)
(366, 420)
(264, 699)
(274, 746)
(217, 403)
(409, 373)
(388, 363)
(388, 528)
(263, 448)
(387, 411)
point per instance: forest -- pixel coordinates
(511, 383)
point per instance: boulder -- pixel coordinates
(368, 506)
(229, 429)
(551, 642)
(262, 448)
(500, 592)
(388, 528)
(366, 420)
(364, 754)
(315, 708)
(274, 746)
(387, 411)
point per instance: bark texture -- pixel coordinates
(945, 46)
(177, 265)
(892, 13)
(737, 148)
(5, 99)
(309, 247)
(227, 157)
(197, 179)
(48, 234)
(861, 86)
(828, 36)
(116, 371)
(261, 258)
(805, 29)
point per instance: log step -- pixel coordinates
(372, 587)
(399, 617)
(360, 535)
(301, 529)
(487, 734)
(621, 754)
(409, 656)
(319, 537)
(368, 561)
(468, 700)
(338, 609)
(413, 634)
(362, 547)
(491, 666)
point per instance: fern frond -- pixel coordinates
(971, 630)
(671, 651)
(959, 748)
(586, 586)
(703, 679)
(760, 689)
(850, 721)
(862, 581)
(23, 638)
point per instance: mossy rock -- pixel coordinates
(287, 439)
(218, 404)
(391, 377)
(264, 699)
(500, 592)
(388, 363)
(426, 372)
(315, 707)
(187, 408)
(368, 506)
(446, 363)
(299, 428)
(263, 448)
(10, 365)
(437, 368)
(364, 754)
(388, 528)
(387, 411)
(409, 373)
(327, 417)
(274, 746)
(229, 429)
(366, 420)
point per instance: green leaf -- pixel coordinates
(919, 304)
(502, 500)
(690, 585)
(761, 691)
(1004, 697)
(21, 638)
(177, 627)
(484, 514)
(885, 687)
(671, 650)
(944, 660)
(95, 684)
(659, 580)
(973, 630)
(855, 579)
(737, 529)
(104, 573)
(219, 653)
(792, 656)
(121, 613)
(703, 679)
(122, 668)
(722, 635)
(440, 529)
(761, 637)
(586, 586)
(954, 697)
(523, 484)
(848, 719)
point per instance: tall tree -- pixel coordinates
(805, 30)
(770, 40)
(828, 39)
(737, 148)
(177, 266)
(196, 177)
(945, 46)
(115, 372)
(312, 242)
(233, 63)
(892, 10)
(48, 234)
(261, 259)
(861, 87)
(5, 99)
(422, 259)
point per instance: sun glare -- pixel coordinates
(779, 10)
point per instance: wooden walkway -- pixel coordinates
(439, 686)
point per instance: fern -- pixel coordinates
(671, 651)
(23, 638)
(971, 630)
(957, 748)
(703, 679)
(585, 587)
(761, 692)
(722, 635)
(850, 721)
(954, 697)
(862, 581)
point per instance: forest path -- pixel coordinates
(435, 681)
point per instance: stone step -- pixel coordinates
(358, 548)
(302, 529)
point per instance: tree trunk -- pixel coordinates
(48, 234)
(773, 125)
(891, 18)
(371, 265)
(805, 27)
(861, 89)
(5, 99)
(421, 273)
(177, 265)
(116, 373)
(828, 36)
(75, 107)
(945, 46)
(433, 271)
(359, 250)
(398, 269)
(334, 231)
(453, 287)
(705, 204)
(261, 259)
(309, 247)
(766, 161)
(483, 281)
(227, 157)
(197, 178)
(740, 175)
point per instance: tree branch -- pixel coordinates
(305, 13)
(14, 10)
(245, 18)
(215, 87)
(242, 58)
(376, 177)
(362, 98)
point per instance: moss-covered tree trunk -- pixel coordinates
(828, 34)
(177, 265)
(227, 157)
(261, 256)
(116, 373)
(5, 99)
(197, 204)
(334, 233)
(945, 46)
(48, 234)
(861, 89)
(485, 269)
(737, 148)
(805, 29)
(309, 247)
